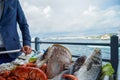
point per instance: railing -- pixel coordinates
(114, 49)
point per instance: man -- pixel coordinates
(11, 13)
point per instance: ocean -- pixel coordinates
(82, 49)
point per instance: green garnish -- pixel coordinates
(32, 59)
(108, 69)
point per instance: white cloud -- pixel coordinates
(46, 11)
(36, 11)
(70, 17)
(94, 17)
(90, 10)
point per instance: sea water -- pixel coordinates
(83, 49)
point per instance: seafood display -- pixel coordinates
(91, 67)
(24, 73)
(22, 59)
(59, 56)
(68, 73)
(29, 73)
(55, 64)
(6, 66)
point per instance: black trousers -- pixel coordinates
(4, 58)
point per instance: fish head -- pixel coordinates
(80, 60)
(97, 56)
(58, 57)
(95, 59)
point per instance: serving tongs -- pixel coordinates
(21, 59)
(14, 51)
(10, 51)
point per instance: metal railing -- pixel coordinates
(114, 49)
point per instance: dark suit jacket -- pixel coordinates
(13, 14)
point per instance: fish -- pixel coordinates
(57, 56)
(40, 63)
(59, 76)
(91, 68)
(78, 63)
(60, 62)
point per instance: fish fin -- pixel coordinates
(89, 66)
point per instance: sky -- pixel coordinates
(72, 17)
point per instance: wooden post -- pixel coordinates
(37, 44)
(114, 53)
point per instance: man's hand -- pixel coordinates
(26, 49)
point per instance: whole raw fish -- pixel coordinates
(91, 68)
(57, 56)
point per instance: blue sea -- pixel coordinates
(82, 49)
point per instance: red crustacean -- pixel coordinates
(72, 77)
(29, 73)
(4, 75)
(43, 67)
(2, 78)
(24, 73)
(15, 78)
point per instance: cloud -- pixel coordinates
(94, 18)
(90, 10)
(76, 17)
(36, 11)
(37, 16)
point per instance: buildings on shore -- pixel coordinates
(104, 36)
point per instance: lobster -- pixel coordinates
(24, 73)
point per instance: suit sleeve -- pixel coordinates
(24, 27)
